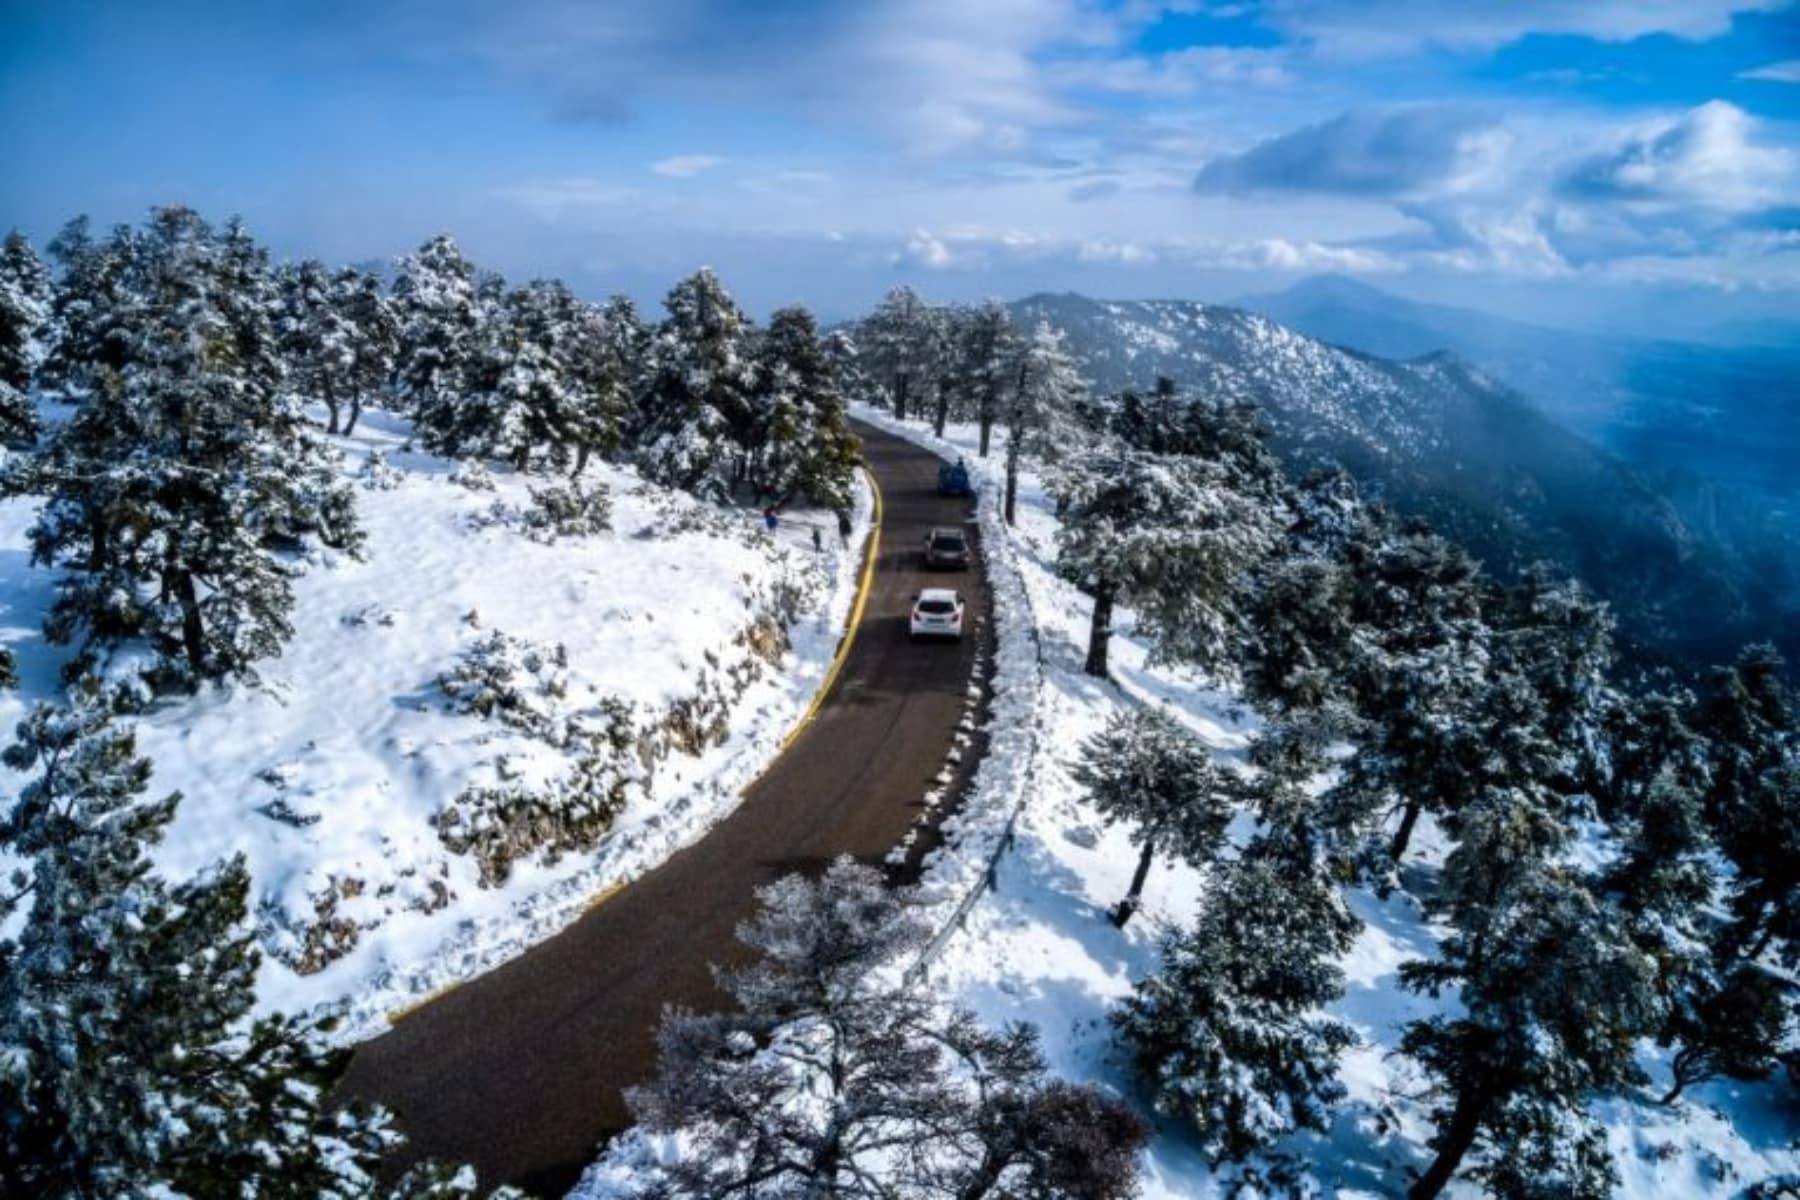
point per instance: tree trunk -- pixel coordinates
(1465, 1123)
(521, 457)
(1403, 835)
(100, 538)
(355, 412)
(985, 1178)
(1012, 476)
(193, 629)
(581, 460)
(943, 410)
(1100, 631)
(331, 407)
(987, 430)
(1134, 896)
(900, 398)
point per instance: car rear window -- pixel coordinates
(947, 541)
(936, 607)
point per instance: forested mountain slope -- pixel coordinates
(1438, 438)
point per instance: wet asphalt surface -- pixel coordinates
(520, 1071)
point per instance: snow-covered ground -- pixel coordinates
(329, 775)
(1038, 947)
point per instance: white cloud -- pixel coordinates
(684, 166)
(924, 250)
(1421, 149)
(1283, 255)
(1704, 158)
(1787, 71)
(1179, 73)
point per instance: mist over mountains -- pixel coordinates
(1697, 417)
(1694, 567)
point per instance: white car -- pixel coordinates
(937, 612)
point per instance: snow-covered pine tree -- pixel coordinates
(1170, 535)
(801, 441)
(987, 354)
(897, 344)
(87, 298)
(1644, 736)
(523, 391)
(602, 364)
(1299, 634)
(1555, 997)
(836, 1077)
(1726, 1018)
(1045, 391)
(1418, 664)
(1751, 721)
(1227, 1033)
(133, 1064)
(698, 393)
(339, 335)
(1555, 992)
(1728, 1023)
(1145, 770)
(1150, 422)
(374, 338)
(1550, 631)
(938, 362)
(185, 464)
(440, 318)
(849, 366)
(25, 296)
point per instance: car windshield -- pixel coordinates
(947, 541)
(936, 607)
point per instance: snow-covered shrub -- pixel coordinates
(567, 510)
(378, 474)
(557, 511)
(473, 475)
(512, 681)
(501, 824)
(677, 515)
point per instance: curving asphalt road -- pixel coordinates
(519, 1072)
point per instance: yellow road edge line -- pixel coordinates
(412, 1006)
(604, 894)
(855, 623)
(395, 1016)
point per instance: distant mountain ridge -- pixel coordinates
(1728, 415)
(1440, 438)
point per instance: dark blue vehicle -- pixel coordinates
(953, 480)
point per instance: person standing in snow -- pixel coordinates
(843, 518)
(818, 543)
(770, 519)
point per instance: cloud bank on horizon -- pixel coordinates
(1539, 148)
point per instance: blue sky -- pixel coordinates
(1635, 164)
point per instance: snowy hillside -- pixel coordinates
(382, 781)
(1039, 947)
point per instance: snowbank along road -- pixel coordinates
(520, 1071)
